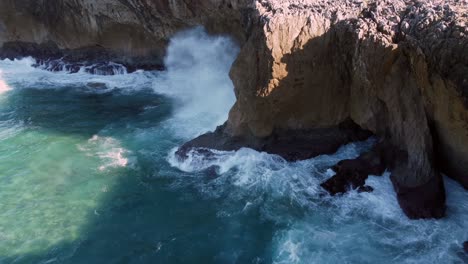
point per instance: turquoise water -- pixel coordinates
(87, 175)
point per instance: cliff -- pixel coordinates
(396, 68)
(306, 69)
(132, 32)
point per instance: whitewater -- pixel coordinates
(88, 174)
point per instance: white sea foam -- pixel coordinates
(4, 87)
(350, 228)
(21, 74)
(110, 151)
(198, 77)
(371, 226)
(261, 173)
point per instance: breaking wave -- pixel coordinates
(197, 77)
(317, 228)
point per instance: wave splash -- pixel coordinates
(315, 227)
(22, 74)
(197, 77)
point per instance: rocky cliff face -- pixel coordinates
(129, 31)
(397, 68)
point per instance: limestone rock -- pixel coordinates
(129, 30)
(396, 68)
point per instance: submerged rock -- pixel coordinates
(97, 85)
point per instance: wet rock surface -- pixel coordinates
(95, 60)
(352, 174)
(425, 201)
(135, 32)
(387, 65)
(291, 145)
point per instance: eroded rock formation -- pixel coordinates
(131, 32)
(398, 68)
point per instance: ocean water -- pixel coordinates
(88, 175)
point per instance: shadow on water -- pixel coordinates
(143, 218)
(81, 111)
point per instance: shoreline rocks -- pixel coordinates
(383, 64)
(424, 201)
(352, 174)
(95, 60)
(291, 145)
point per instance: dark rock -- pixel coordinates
(345, 180)
(291, 145)
(365, 188)
(352, 174)
(211, 172)
(465, 247)
(424, 201)
(18, 50)
(93, 59)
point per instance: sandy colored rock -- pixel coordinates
(397, 68)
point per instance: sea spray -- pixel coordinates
(198, 77)
(21, 74)
(318, 228)
(4, 87)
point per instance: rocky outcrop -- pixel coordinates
(397, 68)
(291, 145)
(352, 174)
(131, 32)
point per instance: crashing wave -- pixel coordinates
(102, 68)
